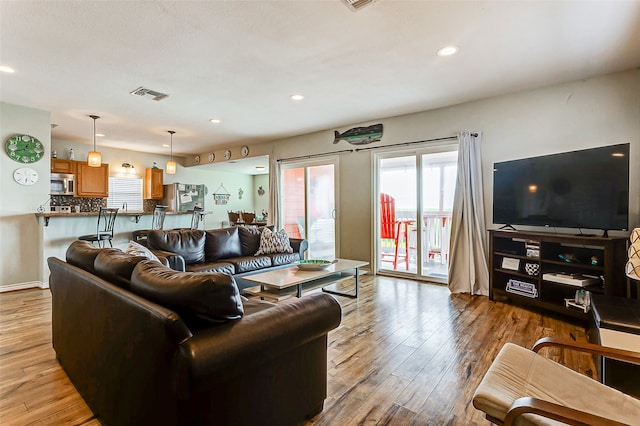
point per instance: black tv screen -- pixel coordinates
(578, 189)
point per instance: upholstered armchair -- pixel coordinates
(522, 387)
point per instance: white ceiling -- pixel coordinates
(240, 60)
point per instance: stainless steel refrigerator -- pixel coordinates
(182, 197)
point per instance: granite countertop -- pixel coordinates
(129, 213)
(120, 213)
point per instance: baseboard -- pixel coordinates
(24, 286)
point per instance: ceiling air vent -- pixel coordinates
(357, 4)
(149, 94)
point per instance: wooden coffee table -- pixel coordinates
(277, 285)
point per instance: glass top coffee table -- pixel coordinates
(283, 283)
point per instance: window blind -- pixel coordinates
(125, 191)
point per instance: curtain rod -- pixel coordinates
(447, 138)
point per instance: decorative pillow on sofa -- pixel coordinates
(213, 297)
(136, 249)
(274, 242)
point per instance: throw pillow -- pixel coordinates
(136, 249)
(213, 297)
(274, 242)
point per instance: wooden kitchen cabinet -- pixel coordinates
(153, 189)
(58, 165)
(92, 181)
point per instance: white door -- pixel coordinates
(414, 203)
(309, 206)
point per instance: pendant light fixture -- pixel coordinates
(171, 165)
(95, 158)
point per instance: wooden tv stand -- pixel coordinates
(511, 251)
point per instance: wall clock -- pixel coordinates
(197, 159)
(227, 155)
(244, 151)
(25, 176)
(212, 157)
(24, 148)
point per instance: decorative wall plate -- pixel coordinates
(24, 149)
(25, 176)
(212, 157)
(227, 155)
(197, 159)
(244, 151)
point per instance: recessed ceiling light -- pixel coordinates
(448, 51)
(617, 154)
(215, 121)
(296, 97)
(260, 168)
(100, 135)
(6, 69)
(165, 145)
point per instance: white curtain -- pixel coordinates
(468, 263)
(274, 194)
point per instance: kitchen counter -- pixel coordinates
(130, 213)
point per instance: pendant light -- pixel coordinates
(171, 165)
(95, 158)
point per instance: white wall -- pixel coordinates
(581, 114)
(20, 235)
(576, 115)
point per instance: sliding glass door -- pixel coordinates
(309, 206)
(415, 201)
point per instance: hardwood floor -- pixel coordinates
(406, 353)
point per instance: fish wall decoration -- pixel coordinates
(360, 135)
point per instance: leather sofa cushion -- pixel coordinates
(278, 259)
(223, 267)
(189, 244)
(116, 267)
(249, 239)
(83, 254)
(222, 244)
(212, 297)
(250, 263)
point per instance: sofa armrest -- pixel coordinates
(299, 246)
(174, 260)
(219, 353)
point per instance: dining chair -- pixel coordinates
(234, 217)
(104, 229)
(248, 217)
(157, 222)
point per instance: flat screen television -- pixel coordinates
(578, 189)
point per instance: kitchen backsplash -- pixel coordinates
(92, 204)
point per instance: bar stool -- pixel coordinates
(104, 230)
(157, 222)
(195, 219)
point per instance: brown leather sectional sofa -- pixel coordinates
(230, 250)
(144, 344)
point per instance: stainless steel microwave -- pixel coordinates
(63, 184)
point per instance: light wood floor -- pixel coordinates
(406, 353)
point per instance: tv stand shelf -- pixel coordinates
(524, 257)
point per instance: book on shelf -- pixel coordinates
(578, 280)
